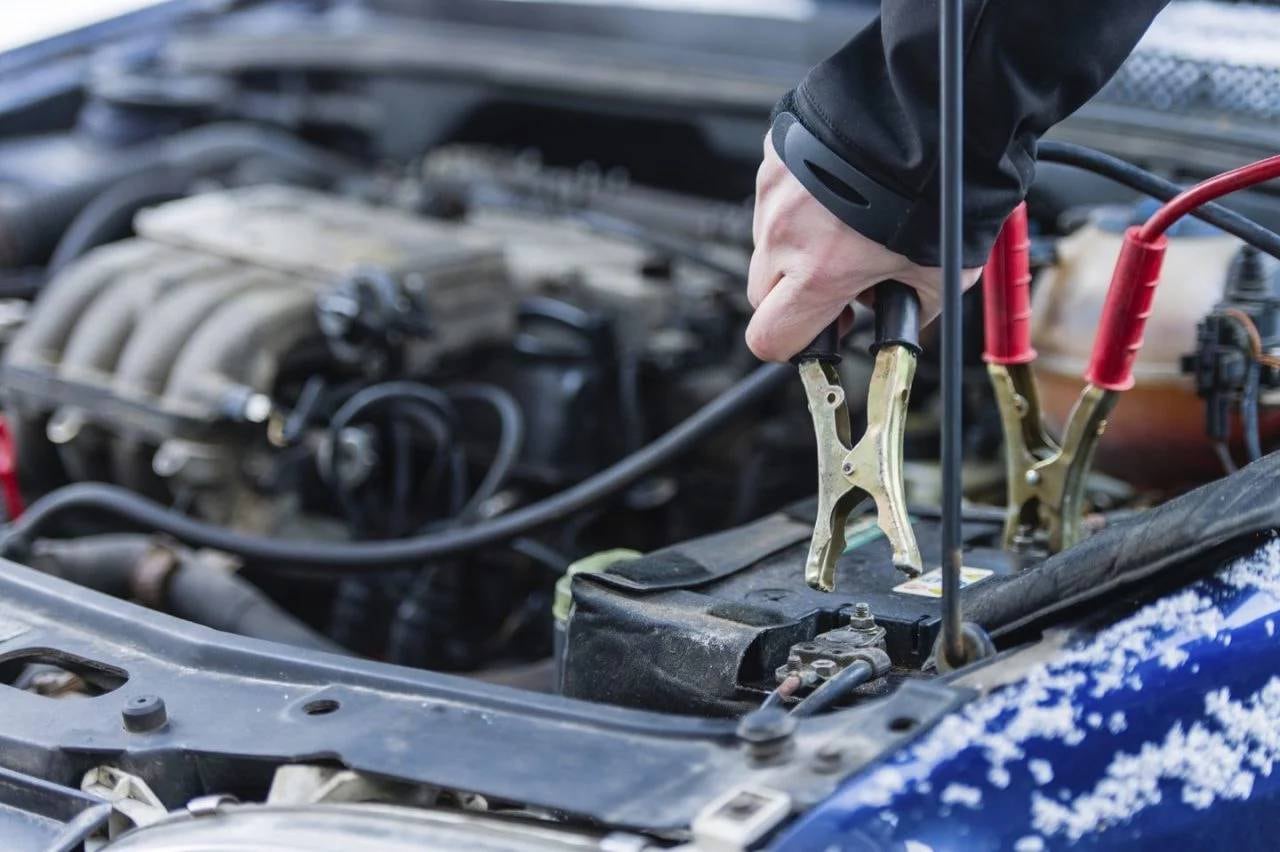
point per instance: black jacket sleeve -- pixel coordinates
(1029, 64)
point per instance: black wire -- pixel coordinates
(268, 554)
(1223, 452)
(109, 216)
(542, 553)
(951, 58)
(510, 439)
(401, 484)
(1141, 180)
(834, 690)
(21, 283)
(371, 397)
(442, 467)
(1249, 411)
(427, 420)
(689, 252)
(630, 366)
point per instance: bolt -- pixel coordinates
(65, 426)
(862, 618)
(169, 460)
(847, 467)
(823, 668)
(767, 732)
(257, 408)
(1032, 477)
(144, 713)
(828, 758)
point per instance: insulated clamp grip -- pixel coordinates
(1125, 312)
(897, 317)
(825, 348)
(1006, 294)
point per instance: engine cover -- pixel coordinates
(156, 362)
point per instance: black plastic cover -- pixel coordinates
(700, 627)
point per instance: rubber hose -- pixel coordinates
(205, 594)
(1141, 180)
(1249, 415)
(269, 554)
(834, 690)
(32, 224)
(510, 438)
(109, 216)
(223, 600)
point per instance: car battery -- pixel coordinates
(704, 626)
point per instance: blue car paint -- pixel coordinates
(1159, 731)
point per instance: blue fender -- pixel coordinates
(1161, 730)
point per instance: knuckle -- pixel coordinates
(761, 342)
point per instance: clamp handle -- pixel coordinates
(897, 308)
(897, 317)
(1125, 312)
(1006, 294)
(825, 348)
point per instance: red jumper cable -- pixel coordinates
(1046, 479)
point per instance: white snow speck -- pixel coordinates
(1215, 758)
(999, 777)
(1045, 706)
(962, 794)
(1030, 843)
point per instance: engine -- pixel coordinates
(388, 357)
(373, 332)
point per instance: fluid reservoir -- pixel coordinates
(1156, 437)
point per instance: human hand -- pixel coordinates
(808, 267)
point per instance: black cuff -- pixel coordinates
(868, 207)
(903, 224)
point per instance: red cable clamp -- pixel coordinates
(1125, 312)
(1006, 291)
(14, 506)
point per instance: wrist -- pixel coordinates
(906, 224)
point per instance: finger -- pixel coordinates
(787, 320)
(761, 277)
(847, 319)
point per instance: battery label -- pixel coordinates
(930, 585)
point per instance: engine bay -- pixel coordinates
(335, 359)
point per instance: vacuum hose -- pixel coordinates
(356, 557)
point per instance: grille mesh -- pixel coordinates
(1206, 58)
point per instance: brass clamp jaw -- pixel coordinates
(1046, 480)
(872, 466)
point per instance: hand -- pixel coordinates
(808, 267)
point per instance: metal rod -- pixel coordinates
(951, 67)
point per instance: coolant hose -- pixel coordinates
(1141, 180)
(32, 221)
(204, 593)
(109, 216)
(269, 554)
